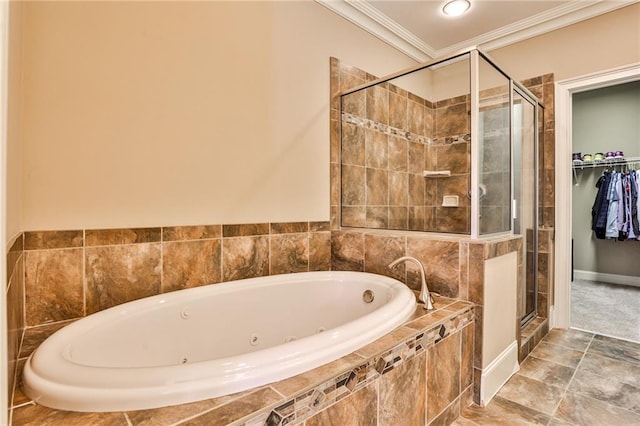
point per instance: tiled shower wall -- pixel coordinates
(543, 88)
(533, 333)
(390, 136)
(450, 150)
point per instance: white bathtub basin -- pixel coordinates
(210, 341)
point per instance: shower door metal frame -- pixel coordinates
(518, 88)
(537, 105)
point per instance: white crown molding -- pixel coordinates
(389, 24)
(379, 26)
(367, 17)
(553, 19)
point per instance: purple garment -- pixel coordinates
(627, 197)
(634, 226)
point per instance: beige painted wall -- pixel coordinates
(144, 114)
(601, 43)
(147, 114)
(14, 111)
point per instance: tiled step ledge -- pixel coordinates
(532, 334)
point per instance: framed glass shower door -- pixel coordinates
(525, 199)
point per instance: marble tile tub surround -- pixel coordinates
(70, 274)
(419, 374)
(15, 307)
(454, 265)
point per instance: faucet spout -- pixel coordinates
(424, 297)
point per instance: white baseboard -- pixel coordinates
(553, 321)
(496, 374)
(606, 278)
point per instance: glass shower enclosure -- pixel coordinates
(449, 146)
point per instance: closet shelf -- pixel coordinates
(608, 163)
(627, 161)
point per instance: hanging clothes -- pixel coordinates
(615, 213)
(634, 228)
(601, 206)
(638, 191)
(612, 213)
(628, 229)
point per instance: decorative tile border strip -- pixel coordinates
(383, 128)
(307, 403)
(448, 140)
(403, 134)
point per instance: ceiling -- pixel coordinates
(421, 30)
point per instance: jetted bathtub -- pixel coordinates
(210, 341)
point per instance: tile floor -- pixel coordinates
(571, 378)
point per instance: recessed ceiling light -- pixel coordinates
(456, 7)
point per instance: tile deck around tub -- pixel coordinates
(289, 401)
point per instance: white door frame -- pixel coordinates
(561, 311)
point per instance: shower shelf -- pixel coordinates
(436, 173)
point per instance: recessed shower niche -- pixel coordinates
(447, 147)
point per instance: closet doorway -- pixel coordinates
(605, 291)
(597, 280)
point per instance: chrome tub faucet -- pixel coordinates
(424, 297)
